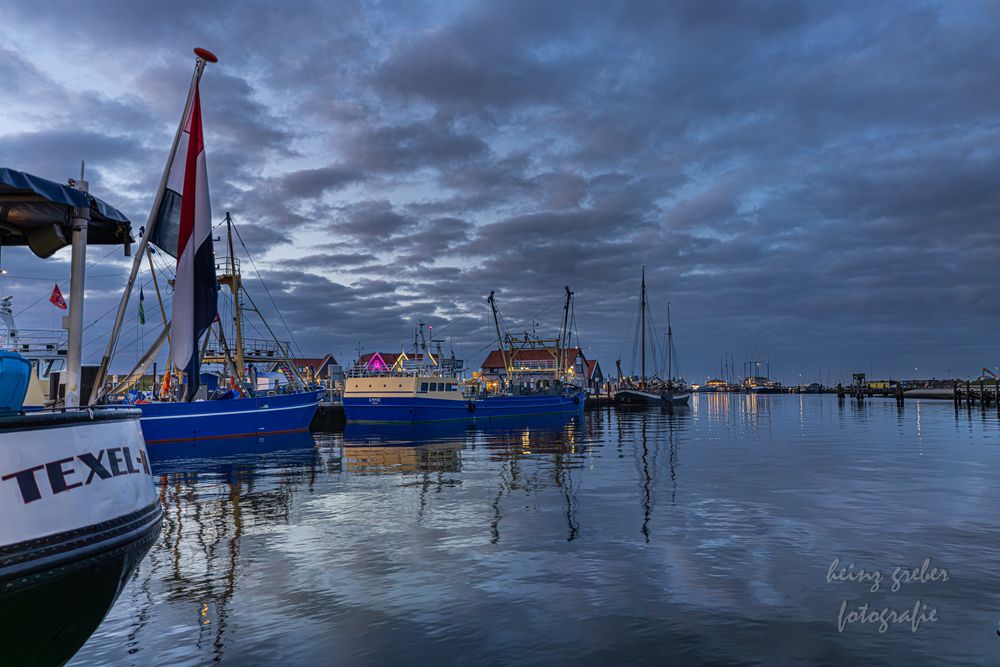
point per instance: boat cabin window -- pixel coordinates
(451, 387)
(434, 386)
(423, 386)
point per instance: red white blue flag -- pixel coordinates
(183, 228)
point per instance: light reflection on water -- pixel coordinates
(703, 536)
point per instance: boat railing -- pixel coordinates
(224, 265)
(35, 342)
(254, 349)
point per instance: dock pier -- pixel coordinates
(329, 417)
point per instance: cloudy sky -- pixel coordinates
(814, 182)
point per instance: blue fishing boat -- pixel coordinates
(242, 404)
(168, 422)
(425, 389)
(429, 398)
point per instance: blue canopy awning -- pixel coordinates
(38, 212)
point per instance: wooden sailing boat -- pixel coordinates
(646, 390)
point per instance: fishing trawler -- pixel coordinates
(651, 390)
(180, 225)
(425, 389)
(78, 509)
(237, 406)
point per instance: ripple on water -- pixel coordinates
(703, 536)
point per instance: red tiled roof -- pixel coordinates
(314, 364)
(591, 365)
(495, 357)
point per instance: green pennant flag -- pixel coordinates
(142, 310)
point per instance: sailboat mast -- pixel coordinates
(670, 346)
(235, 286)
(642, 309)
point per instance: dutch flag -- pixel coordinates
(183, 228)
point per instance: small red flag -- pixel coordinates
(57, 298)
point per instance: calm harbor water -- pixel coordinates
(701, 537)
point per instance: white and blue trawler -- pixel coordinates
(78, 506)
(425, 388)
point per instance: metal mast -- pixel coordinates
(496, 323)
(642, 309)
(234, 280)
(670, 346)
(563, 336)
(74, 321)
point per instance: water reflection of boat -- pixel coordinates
(210, 505)
(648, 435)
(433, 457)
(196, 456)
(405, 434)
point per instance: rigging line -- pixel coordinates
(266, 325)
(635, 338)
(261, 278)
(91, 265)
(135, 325)
(27, 308)
(542, 311)
(35, 303)
(101, 317)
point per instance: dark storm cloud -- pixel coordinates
(332, 261)
(411, 145)
(818, 180)
(371, 222)
(309, 183)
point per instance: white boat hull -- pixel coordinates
(78, 511)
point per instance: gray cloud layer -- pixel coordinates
(819, 181)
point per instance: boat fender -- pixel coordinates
(472, 406)
(576, 399)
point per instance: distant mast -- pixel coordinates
(642, 310)
(670, 346)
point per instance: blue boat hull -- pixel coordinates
(234, 418)
(411, 409)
